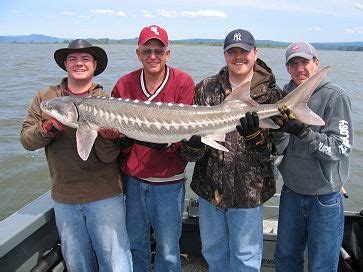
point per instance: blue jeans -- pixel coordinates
(232, 239)
(313, 220)
(94, 228)
(159, 207)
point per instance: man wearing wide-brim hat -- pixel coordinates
(82, 46)
(89, 204)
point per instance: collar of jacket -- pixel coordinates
(262, 74)
(94, 88)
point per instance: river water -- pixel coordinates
(27, 68)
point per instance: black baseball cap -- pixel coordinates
(239, 38)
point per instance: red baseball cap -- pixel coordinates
(153, 32)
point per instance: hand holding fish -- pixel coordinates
(250, 130)
(110, 133)
(250, 124)
(195, 142)
(51, 126)
(113, 133)
(295, 127)
(289, 124)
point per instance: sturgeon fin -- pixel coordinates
(85, 138)
(305, 115)
(211, 141)
(218, 137)
(298, 98)
(242, 94)
(268, 123)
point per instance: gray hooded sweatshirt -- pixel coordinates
(319, 163)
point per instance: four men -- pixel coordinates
(232, 187)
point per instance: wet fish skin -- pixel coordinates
(167, 122)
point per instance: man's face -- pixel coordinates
(153, 55)
(301, 69)
(80, 66)
(239, 61)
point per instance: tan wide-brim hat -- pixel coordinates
(81, 45)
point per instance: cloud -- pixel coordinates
(355, 30)
(83, 16)
(315, 28)
(359, 5)
(68, 13)
(103, 11)
(205, 13)
(200, 13)
(109, 12)
(327, 7)
(121, 14)
(147, 14)
(167, 13)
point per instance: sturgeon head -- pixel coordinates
(66, 110)
(63, 109)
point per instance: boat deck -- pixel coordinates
(29, 239)
(193, 264)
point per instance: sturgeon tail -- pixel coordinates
(298, 98)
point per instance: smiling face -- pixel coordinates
(301, 69)
(80, 66)
(240, 63)
(153, 55)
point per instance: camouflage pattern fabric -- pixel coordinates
(243, 177)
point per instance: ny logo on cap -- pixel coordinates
(237, 37)
(155, 30)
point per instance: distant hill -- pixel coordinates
(34, 38)
(344, 46)
(39, 38)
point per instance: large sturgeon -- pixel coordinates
(169, 123)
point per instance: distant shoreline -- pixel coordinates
(259, 45)
(43, 39)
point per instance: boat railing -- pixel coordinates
(27, 235)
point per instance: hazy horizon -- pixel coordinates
(280, 20)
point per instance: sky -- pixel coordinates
(278, 20)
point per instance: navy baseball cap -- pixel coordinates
(239, 38)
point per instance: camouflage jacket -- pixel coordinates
(243, 177)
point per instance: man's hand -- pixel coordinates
(195, 142)
(294, 127)
(284, 117)
(52, 126)
(249, 124)
(289, 124)
(250, 130)
(110, 133)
